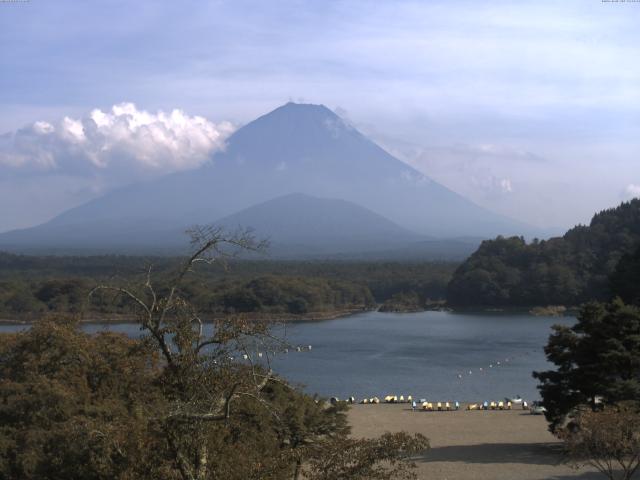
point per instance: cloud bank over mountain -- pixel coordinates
(49, 166)
(295, 149)
(122, 140)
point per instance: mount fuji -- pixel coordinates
(341, 177)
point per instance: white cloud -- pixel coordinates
(122, 140)
(505, 185)
(48, 167)
(632, 191)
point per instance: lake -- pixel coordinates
(436, 355)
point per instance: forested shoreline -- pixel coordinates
(32, 287)
(586, 264)
(569, 270)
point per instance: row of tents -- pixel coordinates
(506, 405)
(440, 406)
(423, 404)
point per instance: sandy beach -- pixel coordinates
(474, 445)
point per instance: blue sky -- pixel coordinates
(531, 108)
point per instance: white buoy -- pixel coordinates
(245, 356)
(309, 347)
(260, 354)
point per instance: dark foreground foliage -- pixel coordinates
(593, 396)
(79, 406)
(625, 280)
(597, 361)
(76, 406)
(567, 270)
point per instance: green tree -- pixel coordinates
(305, 424)
(23, 302)
(597, 360)
(568, 270)
(625, 280)
(75, 406)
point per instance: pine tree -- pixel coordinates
(597, 360)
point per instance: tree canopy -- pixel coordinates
(597, 360)
(74, 406)
(567, 270)
(31, 287)
(625, 280)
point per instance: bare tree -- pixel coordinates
(201, 379)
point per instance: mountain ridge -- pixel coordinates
(319, 224)
(294, 148)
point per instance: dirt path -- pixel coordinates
(474, 445)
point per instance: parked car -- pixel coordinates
(537, 409)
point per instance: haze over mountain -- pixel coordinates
(297, 148)
(299, 224)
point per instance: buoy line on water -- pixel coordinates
(272, 353)
(495, 364)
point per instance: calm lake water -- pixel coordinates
(434, 355)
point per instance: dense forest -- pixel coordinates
(567, 270)
(625, 280)
(31, 286)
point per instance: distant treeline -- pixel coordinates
(587, 263)
(31, 286)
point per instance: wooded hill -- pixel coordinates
(567, 270)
